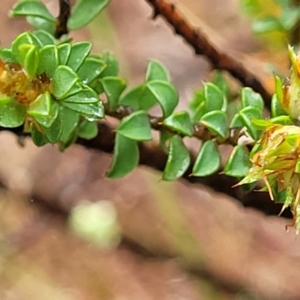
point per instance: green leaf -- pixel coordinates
(44, 37)
(32, 8)
(49, 60)
(79, 53)
(112, 65)
(125, 158)
(198, 99)
(18, 54)
(164, 137)
(64, 79)
(85, 96)
(64, 51)
(262, 123)
(139, 98)
(220, 81)
(216, 122)
(54, 132)
(250, 98)
(136, 126)
(90, 69)
(113, 88)
(37, 137)
(208, 160)
(69, 122)
(84, 11)
(278, 88)
(213, 96)
(238, 163)
(178, 159)
(284, 120)
(44, 110)
(247, 114)
(6, 55)
(180, 122)
(31, 59)
(283, 3)
(156, 71)
(199, 112)
(88, 130)
(5, 99)
(91, 110)
(165, 95)
(12, 114)
(289, 17)
(267, 24)
(42, 24)
(236, 122)
(276, 109)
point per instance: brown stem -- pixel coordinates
(203, 46)
(62, 19)
(153, 156)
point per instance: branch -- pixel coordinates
(62, 19)
(153, 156)
(203, 46)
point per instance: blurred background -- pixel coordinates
(67, 232)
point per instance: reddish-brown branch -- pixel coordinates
(63, 17)
(153, 156)
(203, 46)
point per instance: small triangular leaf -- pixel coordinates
(79, 52)
(64, 51)
(250, 98)
(113, 88)
(238, 163)
(91, 110)
(208, 160)
(38, 138)
(178, 159)
(88, 130)
(44, 110)
(156, 71)
(23, 38)
(12, 114)
(247, 114)
(44, 37)
(84, 11)
(32, 8)
(48, 60)
(31, 60)
(213, 96)
(180, 122)
(165, 95)
(136, 126)
(69, 121)
(216, 122)
(85, 96)
(63, 80)
(125, 158)
(276, 108)
(91, 69)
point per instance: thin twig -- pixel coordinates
(62, 19)
(203, 46)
